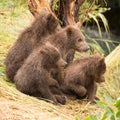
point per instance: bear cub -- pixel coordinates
(45, 24)
(67, 39)
(34, 78)
(81, 76)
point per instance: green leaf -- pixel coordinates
(118, 114)
(98, 25)
(105, 23)
(117, 104)
(76, 118)
(101, 104)
(112, 117)
(87, 118)
(108, 98)
(109, 113)
(106, 115)
(91, 117)
(109, 110)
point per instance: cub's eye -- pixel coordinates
(79, 40)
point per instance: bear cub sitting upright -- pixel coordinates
(34, 77)
(82, 75)
(44, 25)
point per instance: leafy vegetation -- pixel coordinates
(109, 112)
(94, 13)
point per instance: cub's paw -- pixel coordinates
(61, 99)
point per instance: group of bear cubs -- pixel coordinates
(41, 64)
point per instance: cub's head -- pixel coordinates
(52, 57)
(76, 39)
(45, 23)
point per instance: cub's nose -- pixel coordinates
(64, 64)
(61, 63)
(88, 47)
(102, 79)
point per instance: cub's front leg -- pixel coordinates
(91, 92)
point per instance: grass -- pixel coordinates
(17, 106)
(113, 72)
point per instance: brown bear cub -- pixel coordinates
(44, 25)
(82, 75)
(65, 40)
(34, 78)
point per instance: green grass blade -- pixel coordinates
(98, 25)
(105, 23)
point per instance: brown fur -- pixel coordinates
(34, 78)
(44, 25)
(67, 39)
(82, 75)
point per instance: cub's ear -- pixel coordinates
(44, 10)
(96, 53)
(50, 17)
(102, 65)
(44, 50)
(78, 24)
(101, 60)
(52, 22)
(69, 31)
